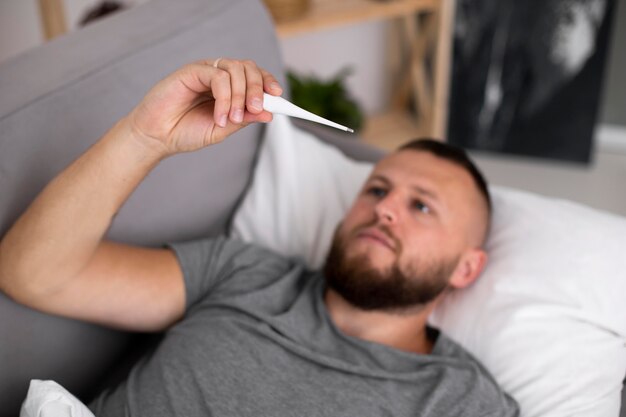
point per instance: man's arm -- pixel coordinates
(54, 258)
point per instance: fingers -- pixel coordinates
(202, 79)
(254, 88)
(247, 84)
(270, 84)
(222, 132)
(222, 93)
(237, 74)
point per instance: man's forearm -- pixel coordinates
(56, 237)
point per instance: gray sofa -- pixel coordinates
(58, 99)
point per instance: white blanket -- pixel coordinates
(49, 399)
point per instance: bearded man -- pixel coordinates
(246, 331)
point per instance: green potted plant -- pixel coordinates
(329, 99)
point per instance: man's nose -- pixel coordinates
(387, 210)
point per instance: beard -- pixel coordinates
(392, 289)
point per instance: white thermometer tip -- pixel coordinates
(275, 104)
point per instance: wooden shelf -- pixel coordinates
(52, 16)
(325, 14)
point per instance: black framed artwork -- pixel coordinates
(527, 77)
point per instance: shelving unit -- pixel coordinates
(52, 18)
(324, 14)
(427, 39)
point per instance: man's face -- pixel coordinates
(410, 229)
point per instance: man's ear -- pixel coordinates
(470, 266)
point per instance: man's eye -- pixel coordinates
(421, 207)
(377, 191)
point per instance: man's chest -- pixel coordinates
(236, 365)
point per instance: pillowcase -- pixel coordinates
(300, 190)
(547, 317)
(49, 399)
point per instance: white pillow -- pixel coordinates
(548, 315)
(301, 189)
(49, 399)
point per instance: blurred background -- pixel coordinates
(535, 90)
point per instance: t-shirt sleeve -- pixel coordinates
(214, 264)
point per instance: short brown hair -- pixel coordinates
(455, 155)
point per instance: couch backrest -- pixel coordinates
(58, 99)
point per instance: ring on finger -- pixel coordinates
(217, 61)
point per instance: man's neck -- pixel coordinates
(404, 330)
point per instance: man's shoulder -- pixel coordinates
(223, 246)
(222, 267)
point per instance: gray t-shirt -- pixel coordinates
(256, 340)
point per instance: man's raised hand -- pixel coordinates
(201, 104)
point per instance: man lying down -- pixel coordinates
(249, 332)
